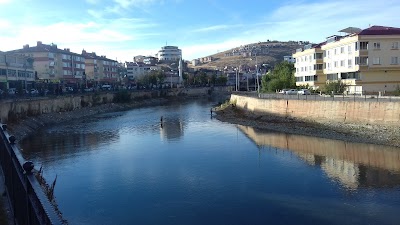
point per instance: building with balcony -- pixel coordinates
(169, 54)
(365, 60)
(100, 69)
(16, 71)
(54, 65)
(309, 65)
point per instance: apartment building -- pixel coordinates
(54, 65)
(16, 71)
(136, 69)
(309, 66)
(100, 69)
(365, 60)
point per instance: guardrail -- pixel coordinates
(323, 97)
(29, 204)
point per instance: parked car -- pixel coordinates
(88, 89)
(12, 91)
(283, 91)
(34, 91)
(304, 92)
(291, 92)
(106, 87)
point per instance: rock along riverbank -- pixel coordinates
(361, 133)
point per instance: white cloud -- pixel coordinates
(211, 28)
(133, 3)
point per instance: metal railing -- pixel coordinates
(323, 97)
(29, 204)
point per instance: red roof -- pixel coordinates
(380, 30)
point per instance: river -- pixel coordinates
(125, 168)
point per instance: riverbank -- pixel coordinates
(361, 133)
(26, 126)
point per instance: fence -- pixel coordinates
(323, 97)
(29, 204)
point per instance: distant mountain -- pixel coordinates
(269, 53)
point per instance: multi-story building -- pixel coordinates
(16, 71)
(289, 58)
(169, 54)
(365, 60)
(55, 65)
(309, 65)
(100, 69)
(150, 60)
(135, 70)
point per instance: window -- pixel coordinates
(362, 60)
(364, 45)
(329, 66)
(376, 61)
(299, 79)
(336, 64)
(335, 51)
(3, 72)
(318, 55)
(349, 63)
(12, 73)
(342, 50)
(395, 45)
(349, 49)
(351, 75)
(318, 67)
(333, 76)
(311, 78)
(309, 58)
(377, 45)
(395, 60)
(51, 55)
(342, 63)
(356, 46)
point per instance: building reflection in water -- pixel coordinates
(354, 165)
(172, 128)
(64, 144)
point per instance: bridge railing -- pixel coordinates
(29, 204)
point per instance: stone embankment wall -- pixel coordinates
(13, 109)
(381, 113)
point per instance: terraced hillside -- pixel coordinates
(266, 53)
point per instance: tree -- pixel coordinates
(281, 77)
(335, 87)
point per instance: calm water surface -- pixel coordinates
(123, 168)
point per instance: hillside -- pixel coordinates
(267, 53)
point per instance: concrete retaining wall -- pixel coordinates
(12, 109)
(386, 113)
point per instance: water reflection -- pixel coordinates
(172, 128)
(354, 165)
(65, 144)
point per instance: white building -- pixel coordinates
(169, 53)
(309, 66)
(134, 70)
(364, 60)
(289, 58)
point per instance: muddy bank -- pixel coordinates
(26, 126)
(361, 133)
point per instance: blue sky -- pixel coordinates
(121, 29)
